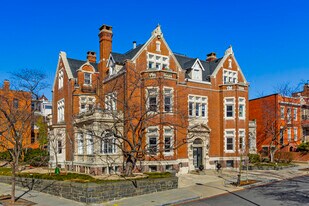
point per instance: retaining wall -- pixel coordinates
(95, 193)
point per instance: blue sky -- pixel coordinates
(270, 38)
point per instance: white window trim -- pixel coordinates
(243, 102)
(289, 133)
(243, 141)
(89, 147)
(60, 78)
(157, 139)
(61, 144)
(111, 101)
(289, 115)
(90, 76)
(295, 132)
(80, 143)
(196, 72)
(225, 140)
(158, 46)
(198, 99)
(60, 110)
(282, 112)
(171, 143)
(225, 110)
(148, 102)
(230, 74)
(172, 100)
(154, 60)
(87, 100)
(114, 147)
(295, 114)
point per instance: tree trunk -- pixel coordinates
(130, 164)
(13, 182)
(272, 155)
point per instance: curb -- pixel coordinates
(181, 201)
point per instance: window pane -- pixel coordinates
(153, 104)
(229, 110)
(167, 104)
(197, 109)
(203, 110)
(190, 108)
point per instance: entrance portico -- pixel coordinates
(198, 144)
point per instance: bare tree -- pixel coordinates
(16, 115)
(137, 104)
(277, 119)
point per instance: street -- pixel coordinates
(293, 191)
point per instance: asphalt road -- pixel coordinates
(290, 192)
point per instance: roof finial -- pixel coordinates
(157, 31)
(229, 50)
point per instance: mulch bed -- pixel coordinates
(5, 200)
(245, 182)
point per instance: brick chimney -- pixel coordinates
(105, 39)
(211, 57)
(6, 85)
(91, 57)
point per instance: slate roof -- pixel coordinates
(76, 64)
(187, 63)
(120, 58)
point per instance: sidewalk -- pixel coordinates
(191, 187)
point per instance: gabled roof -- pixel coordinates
(187, 63)
(75, 64)
(120, 58)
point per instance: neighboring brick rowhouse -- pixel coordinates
(278, 120)
(15, 114)
(197, 109)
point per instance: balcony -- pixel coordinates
(88, 89)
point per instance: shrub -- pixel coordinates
(5, 156)
(285, 157)
(36, 157)
(254, 158)
(158, 174)
(303, 147)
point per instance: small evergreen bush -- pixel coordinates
(254, 158)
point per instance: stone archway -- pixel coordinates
(198, 146)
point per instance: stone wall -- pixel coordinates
(95, 193)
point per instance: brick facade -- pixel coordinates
(16, 106)
(278, 120)
(196, 109)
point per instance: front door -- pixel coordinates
(197, 157)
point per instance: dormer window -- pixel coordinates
(229, 76)
(87, 79)
(196, 72)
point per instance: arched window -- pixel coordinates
(198, 141)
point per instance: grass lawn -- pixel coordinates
(75, 177)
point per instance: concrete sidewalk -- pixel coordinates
(209, 184)
(40, 198)
(191, 187)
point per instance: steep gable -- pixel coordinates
(229, 54)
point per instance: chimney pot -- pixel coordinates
(6, 85)
(211, 57)
(134, 44)
(91, 57)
